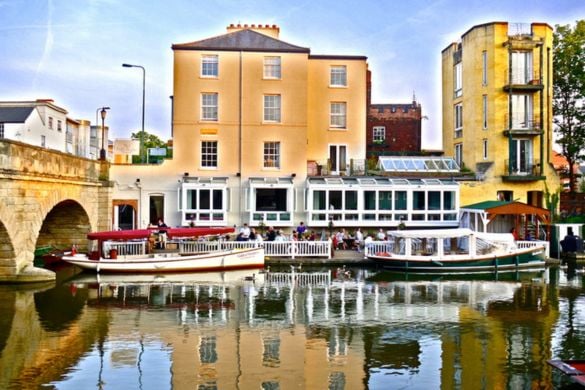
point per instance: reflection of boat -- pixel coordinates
(520, 275)
(227, 277)
(129, 251)
(453, 250)
(574, 369)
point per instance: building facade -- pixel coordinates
(266, 133)
(393, 128)
(497, 111)
(45, 124)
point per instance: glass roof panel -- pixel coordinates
(417, 164)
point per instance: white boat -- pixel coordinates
(129, 252)
(453, 250)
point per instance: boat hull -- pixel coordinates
(528, 258)
(173, 262)
(574, 369)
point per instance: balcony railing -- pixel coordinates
(528, 126)
(528, 170)
(521, 80)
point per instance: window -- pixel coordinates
(485, 111)
(338, 76)
(2, 130)
(50, 123)
(485, 148)
(207, 349)
(507, 196)
(43, 141)
(271, 154)
(521, 157)
(209, 66)
(458, 120)
(484, 65)
(459, 154)
(379, 135)
(209, 154)
(272, 108)
(337, 158)
(59, 125)
(209, 106)
(338, 116)
(521, 72)
(522, 111)
(458, 79)
(272, 67)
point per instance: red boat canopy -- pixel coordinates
(145, 233)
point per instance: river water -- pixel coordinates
(314, 328)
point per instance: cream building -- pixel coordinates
(497, 111)
(266, 133)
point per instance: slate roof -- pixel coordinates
(244, 40)
(14, 114)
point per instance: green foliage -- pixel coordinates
(552, 202)
(150, 141)
(569, 92)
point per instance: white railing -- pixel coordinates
(534, 244)
(125, 248)
(271, 248)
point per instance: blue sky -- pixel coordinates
(72, 51)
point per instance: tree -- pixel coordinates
(150, 141)
(569, 93)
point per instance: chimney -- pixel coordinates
(266, 29)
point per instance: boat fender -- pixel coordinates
(73, 250)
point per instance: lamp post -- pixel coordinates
(143, 94)
(103, 112)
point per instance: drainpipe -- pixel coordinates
(240, 104)
(541, 116)
(510, 148)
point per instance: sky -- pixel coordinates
(73, 51)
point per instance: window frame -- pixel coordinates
(379, 134)
(206, 107)
(209, 69)
(272, 71)
(209, 157)
(484, 108)
(458, 153)
(338, 76)
(340, 116)
(484, 69)
(272, 113)
(458, 120)
(271, 152)
(458, 79)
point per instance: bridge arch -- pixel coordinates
(66, 224)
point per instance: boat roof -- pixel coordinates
(171, 233)
(432, 233)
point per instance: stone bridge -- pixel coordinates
(48, 198)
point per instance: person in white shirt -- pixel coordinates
(359, 239)
(381, 235)
(245, 231)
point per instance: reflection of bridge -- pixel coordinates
(49, 199)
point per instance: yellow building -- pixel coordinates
(497, 111)
(251, 115)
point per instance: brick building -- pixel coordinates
(392, 129)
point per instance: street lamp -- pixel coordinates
(143, 90)
(103, 114)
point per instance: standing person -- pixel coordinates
(569, 243)
(161, 224)
(515, 234)
(381, 235)
(359, 239)
(245, 232)
(301, 229)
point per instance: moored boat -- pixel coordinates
(453, 250)
(131, 251)
(574, 369)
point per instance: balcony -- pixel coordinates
(527, 128)
(523, 171)
(521, 80)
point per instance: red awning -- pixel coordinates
(145, 233)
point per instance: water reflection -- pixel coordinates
(318, 328)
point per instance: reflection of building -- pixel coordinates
(263, 335)
(497, 111)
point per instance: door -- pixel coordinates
(521, 158)
(338, 158)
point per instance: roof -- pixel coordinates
(242, 40)
(14, 114)
(508, 208)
